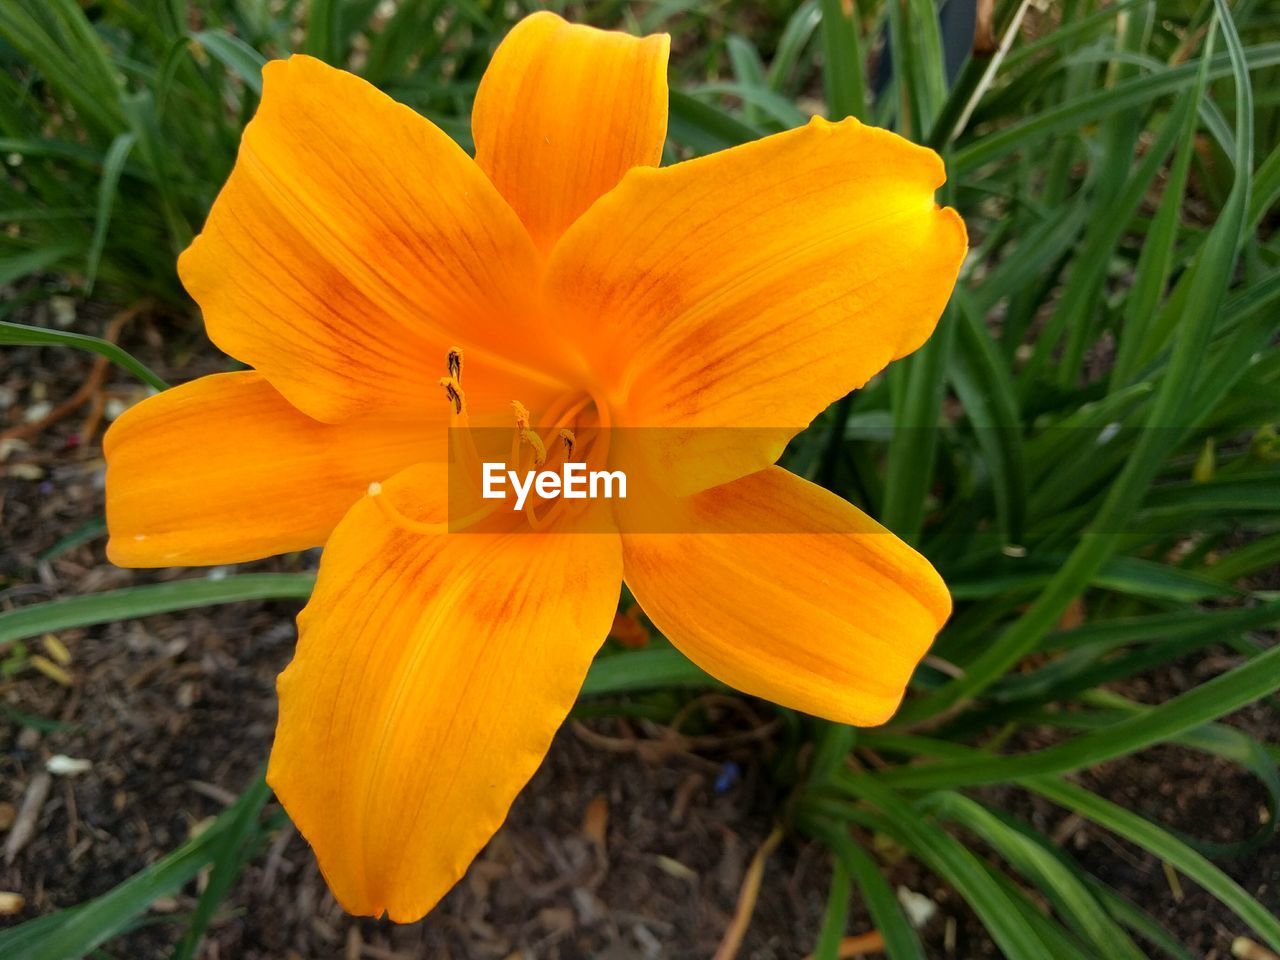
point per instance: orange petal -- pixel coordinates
(785, 591)
(353, 245)
(223, 470)
(431, 674)
(563, 112)
(753, 287)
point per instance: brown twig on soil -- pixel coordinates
(737, 704)
(672, 743)
(87, 390)
(93, 419)
(214, 792)
(733, 937)
(684, 797)
(73, 816)
(274, 857)
(859, 946)
(24, 826)
(653, 751)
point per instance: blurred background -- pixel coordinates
(1086, 449)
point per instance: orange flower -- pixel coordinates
(354, 257)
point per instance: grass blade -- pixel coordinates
(842, 61)
(112, 166)
(1166, 847)
(649, 669)
(900, 939)
(228, 856)
(1223, 694)
(234, 54)
(20, 334)
(130, 603)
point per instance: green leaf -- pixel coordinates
(1084, 285)
(234, 54)
(228, 856)
(1139, 338)
(836, 916)
(20, 334)
(749, 73)
(1165, 422)
(986, 393)
(324, 27)
(58, 39)
(842, 62)
(703, 127)
(900, 940)
(764, 108)
(27, 262)
(1094, 106)
(1166, 847)
(1041, 865)
(1128, 575)
(112, 167)
(791, 45)
(1113, 817)
(977, 76)
(1223, 694)
(648, 669)
(956, 864)
(919, 387)
(85, 533)
(130, 603)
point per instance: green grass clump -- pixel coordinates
(1086, 448)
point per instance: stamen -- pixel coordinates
(568, 439)
(398, 519)
(461, 435)
(453, 390)
(535, 442)
(524, 434)
(422, 527)
(522, 414)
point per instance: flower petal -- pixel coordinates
(563, 112)
(431, 674)
(353, 245)
(753, 287)
(787, 592)
(224, 470)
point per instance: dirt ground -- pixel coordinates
(174, 715)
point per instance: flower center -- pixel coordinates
(572, 429)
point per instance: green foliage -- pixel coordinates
(1090, 431)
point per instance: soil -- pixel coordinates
(175, 713)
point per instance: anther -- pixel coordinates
(535, 441)
(454, 392)
(522, 414)
(455, 363)
(527, 435)
(568, 439)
